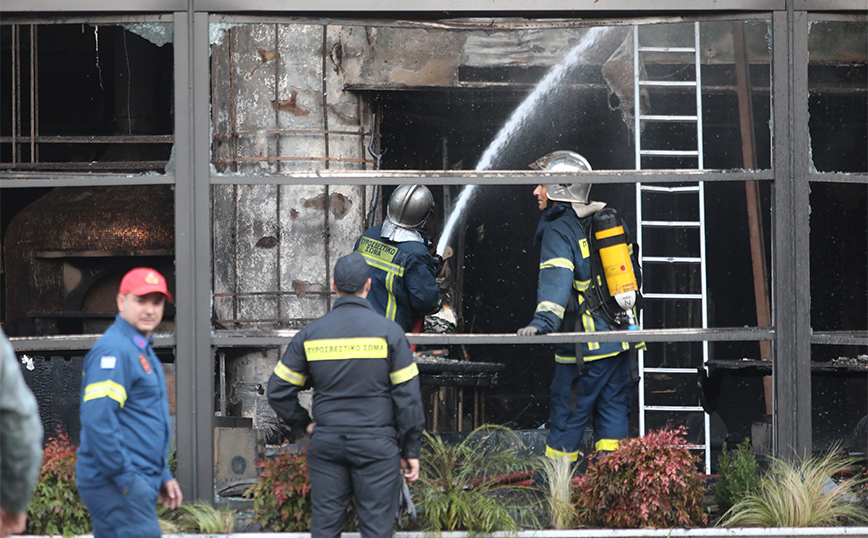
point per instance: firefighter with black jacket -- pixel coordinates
(367, 410)
(403, 272)
(567, 301)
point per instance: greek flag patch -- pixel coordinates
(108, 362)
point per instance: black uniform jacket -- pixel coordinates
(363, 375)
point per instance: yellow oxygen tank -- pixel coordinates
(611, 242)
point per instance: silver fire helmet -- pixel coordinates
(409, 206)
(565, 161)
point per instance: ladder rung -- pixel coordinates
(669, 83)
(672, 223)
(670, 259)
(667, 49)
(660, 117)
(672, 295)
(670, 152)
(679, 408)
(671, 370)
(658, 188)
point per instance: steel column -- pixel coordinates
(193, 353)
(792, 367)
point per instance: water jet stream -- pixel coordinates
(515, 121)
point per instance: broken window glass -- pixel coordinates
(87, 97)
(838, 82)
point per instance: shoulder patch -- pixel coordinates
(108, 362)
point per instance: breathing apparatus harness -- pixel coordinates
(614, 290)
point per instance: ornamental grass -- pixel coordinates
(801, 494)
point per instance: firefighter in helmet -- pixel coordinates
(403, 271)
(596, 376)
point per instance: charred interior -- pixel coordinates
(345, 96)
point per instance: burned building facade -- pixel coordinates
(242, 150)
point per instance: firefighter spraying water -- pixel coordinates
(404, 284)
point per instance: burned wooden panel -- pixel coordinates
(254, 92)
(247, 374)
(346, 218)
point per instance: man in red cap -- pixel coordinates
(123, 461)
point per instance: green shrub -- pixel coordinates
(461, 485)
(738, 477)
(281, 497)
(56, 507)
(801, 494)
(649, 481)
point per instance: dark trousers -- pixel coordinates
(119, 515)
(604, 393)
(364, 466)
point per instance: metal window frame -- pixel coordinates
(399, 6)
(193, 340)
(791, 366)
(194, 407)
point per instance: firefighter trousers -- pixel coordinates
(603, 392)
(359, 465)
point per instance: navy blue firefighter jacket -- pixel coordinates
(403, 281)
(564, 276)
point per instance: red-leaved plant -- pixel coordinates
(56, 507)
(650, 481)
(281, 497)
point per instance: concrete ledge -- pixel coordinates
(783, 532)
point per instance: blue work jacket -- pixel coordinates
(125, 423)
(404, 287)
(564, 276)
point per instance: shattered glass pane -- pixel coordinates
(87, 97)
(837, 81)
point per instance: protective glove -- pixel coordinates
(439, 262)
(530, 330)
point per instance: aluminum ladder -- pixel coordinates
(694, 261)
